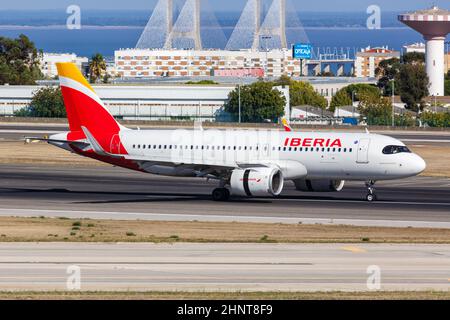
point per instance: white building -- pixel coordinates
(49, 60)
(161, 101)
(419, 47)
(368, 59)
(145, 63)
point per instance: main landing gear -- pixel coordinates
(371, 191)
(221, 194)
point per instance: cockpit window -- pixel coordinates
(395, 150)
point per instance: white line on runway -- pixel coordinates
(425, 140)
(219, 218)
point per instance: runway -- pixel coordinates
(223, 267)
(113, 193)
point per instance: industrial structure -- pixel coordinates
(162, 32)
(251, 32)
(434, 25)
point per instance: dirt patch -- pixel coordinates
(42, 229)
(379, 295)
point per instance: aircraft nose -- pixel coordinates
(419, 165)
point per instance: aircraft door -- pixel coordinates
(363, 151)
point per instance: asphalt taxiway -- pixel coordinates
(223, 267)
(114, 193)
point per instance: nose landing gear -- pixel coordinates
(371, 196)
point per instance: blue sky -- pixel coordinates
(221, 5)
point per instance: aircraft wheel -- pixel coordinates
(221, 194)
(370, 197)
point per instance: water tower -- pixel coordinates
(434, 25)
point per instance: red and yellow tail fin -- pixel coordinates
(286, 125)
(84, 108)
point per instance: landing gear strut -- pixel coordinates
(371, 191)
(221, 194)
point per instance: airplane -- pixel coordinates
(245, 163)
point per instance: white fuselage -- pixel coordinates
(310, 155)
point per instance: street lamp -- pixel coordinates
(239, 89)
(448, 56)
(393, 103)
(265, 38)
(353, 103)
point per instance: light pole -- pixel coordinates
(448, 56)
(353, 104)
(265, 38)
(239, 89)
(393, 103)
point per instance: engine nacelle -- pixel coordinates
(319, 185)
(257, 182)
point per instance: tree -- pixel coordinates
(386, 72)
(19, 61)
(353, 92)
(414, 58)
(412, 85)
(440, 120)
(447, 84)
(303, 93)
(46, 103)
(340, 99)
(375, 110)
(259, 101)
(97, 68)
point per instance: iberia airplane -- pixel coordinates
(244, 162)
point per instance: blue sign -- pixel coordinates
(302, 51)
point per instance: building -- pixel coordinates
(367, 60)
(239, 73)
(434, 25)
(415, 47)
(312, 115)
(165, 101)
(49, 60)
(147, 63)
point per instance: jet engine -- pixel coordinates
(257, 182)
(319, 185)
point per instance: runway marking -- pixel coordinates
(425, 140)
(354, 249)
(360, 201)
(104, 215)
